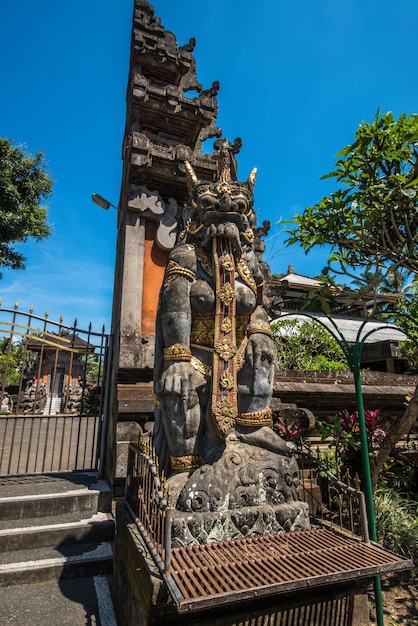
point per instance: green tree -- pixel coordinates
(306, 346)
(369, 281)
(10, 362)
(405, 314)
(371, 219)
(24, 185)
(371, 222)
(397, 281)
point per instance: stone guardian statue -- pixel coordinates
(214, 368)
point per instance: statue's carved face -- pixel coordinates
(224, 209)
(225, 198)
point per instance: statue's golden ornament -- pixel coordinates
(227, 262)
(224, 376)
(259, 326)
(251, 179)
(201, 367)
(226, 380)
(240, 358)
(225, 348)
(223, 187)
(177, 352)
(225, 414)
(226, 409)
(173, 270)
(192, 179)
(185, 463)
(226, 294)
(182, 236)
(226, 325)
(248, 235)
(245, 273)
(194, 228)
(204, 261)
(263, 417)
(202, 330)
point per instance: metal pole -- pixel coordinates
(365, 460)
(106, 389)
(353, 356)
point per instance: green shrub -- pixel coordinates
(306, 346)
(397, 523)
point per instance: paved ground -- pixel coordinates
(66, 602)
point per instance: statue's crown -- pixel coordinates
(227, 176)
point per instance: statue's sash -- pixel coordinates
(224, 380)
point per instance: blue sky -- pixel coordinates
(297, 77)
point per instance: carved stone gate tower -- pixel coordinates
(168, 117)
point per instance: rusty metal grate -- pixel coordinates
(225, 572)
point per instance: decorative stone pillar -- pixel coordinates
(164, 127)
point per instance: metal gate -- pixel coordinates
(53, 394)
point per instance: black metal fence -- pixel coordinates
(53, 394)
(332, 502)
(147, 498)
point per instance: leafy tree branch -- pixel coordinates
(24, 185)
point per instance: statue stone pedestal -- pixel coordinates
(140, 596)
(249, 491)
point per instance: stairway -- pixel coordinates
(54, 527)
(53, 405)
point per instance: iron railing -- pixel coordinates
(205, 576)
(53, 391)
(332, 501)
(338, 506)
(147, 498)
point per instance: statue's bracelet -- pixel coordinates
(177, 352)
(259, 327)
(185, 463)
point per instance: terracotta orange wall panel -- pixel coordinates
(155, 261)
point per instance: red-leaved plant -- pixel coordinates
(344, 436)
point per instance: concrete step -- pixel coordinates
(71, 560)
(55, 531)
(41, 496)
(53, 527)
(53, 405)
(85, 503)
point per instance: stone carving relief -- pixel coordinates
(152, 206)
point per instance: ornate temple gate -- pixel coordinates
(53, 392)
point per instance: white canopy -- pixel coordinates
(349, 327)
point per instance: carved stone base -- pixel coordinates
(250, 488)
(195, 528)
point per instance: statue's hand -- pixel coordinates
(177, 379)
(261, 350)
(180, 407)
(261, 355)
(180, 381)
